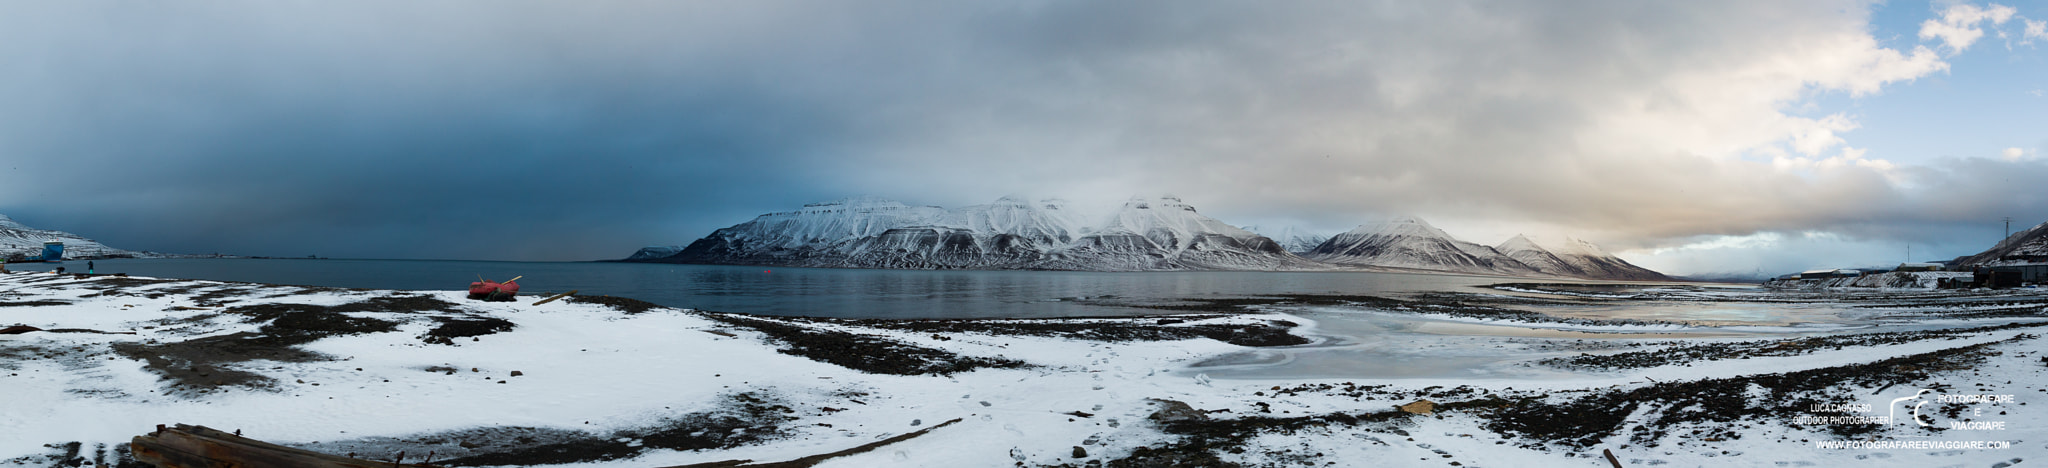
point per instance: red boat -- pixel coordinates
(494, 291)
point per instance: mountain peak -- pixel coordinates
(1582, 247)
(1597, 263)
(862, 202)
(1401, 226)
(1520, 243)
(1406, 219)
(1150, 232)
(1160, 233)
(1292, 238)
(1163, 202)
(1410, 242)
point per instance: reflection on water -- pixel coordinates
(805, 291)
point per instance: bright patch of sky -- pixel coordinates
(1991, 103)
(1767, 254)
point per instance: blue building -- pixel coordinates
(53, 251)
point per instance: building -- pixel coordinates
(2037, 273)
(53, 251)
(1918, 267)
(1833, 273)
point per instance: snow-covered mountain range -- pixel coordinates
(1293, 238)
(18, 241)
(1145, 234)
(1591, 262)
(2024, 247)
(1411, 243)
(1523, 250)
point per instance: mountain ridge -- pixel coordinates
(1409, 242)
(1162, 233)
(1146, 234)
(21, 241)
(2028, 246)
(1293, 238)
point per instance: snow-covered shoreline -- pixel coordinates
(1891, 280)
(614, 382)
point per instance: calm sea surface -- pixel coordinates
(798, 291)
(1352, 342)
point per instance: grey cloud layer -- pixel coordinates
(575, 131)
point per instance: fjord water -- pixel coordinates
(1351, 342)
(820, 292)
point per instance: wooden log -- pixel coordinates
(186, 446)
(807, 462)
(554, 297)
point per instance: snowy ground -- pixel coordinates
(610, 382)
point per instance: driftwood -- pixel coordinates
(186, 446)
(199, 447)
(553, 298)
(813, 460)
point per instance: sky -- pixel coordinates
(1689, 137)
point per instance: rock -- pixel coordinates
(517, 373)
(1080, 452)
(1419, 407)
(1171, 411)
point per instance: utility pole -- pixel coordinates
(2008, 231)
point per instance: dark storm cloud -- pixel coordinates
(302, 128)
(577, 131)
